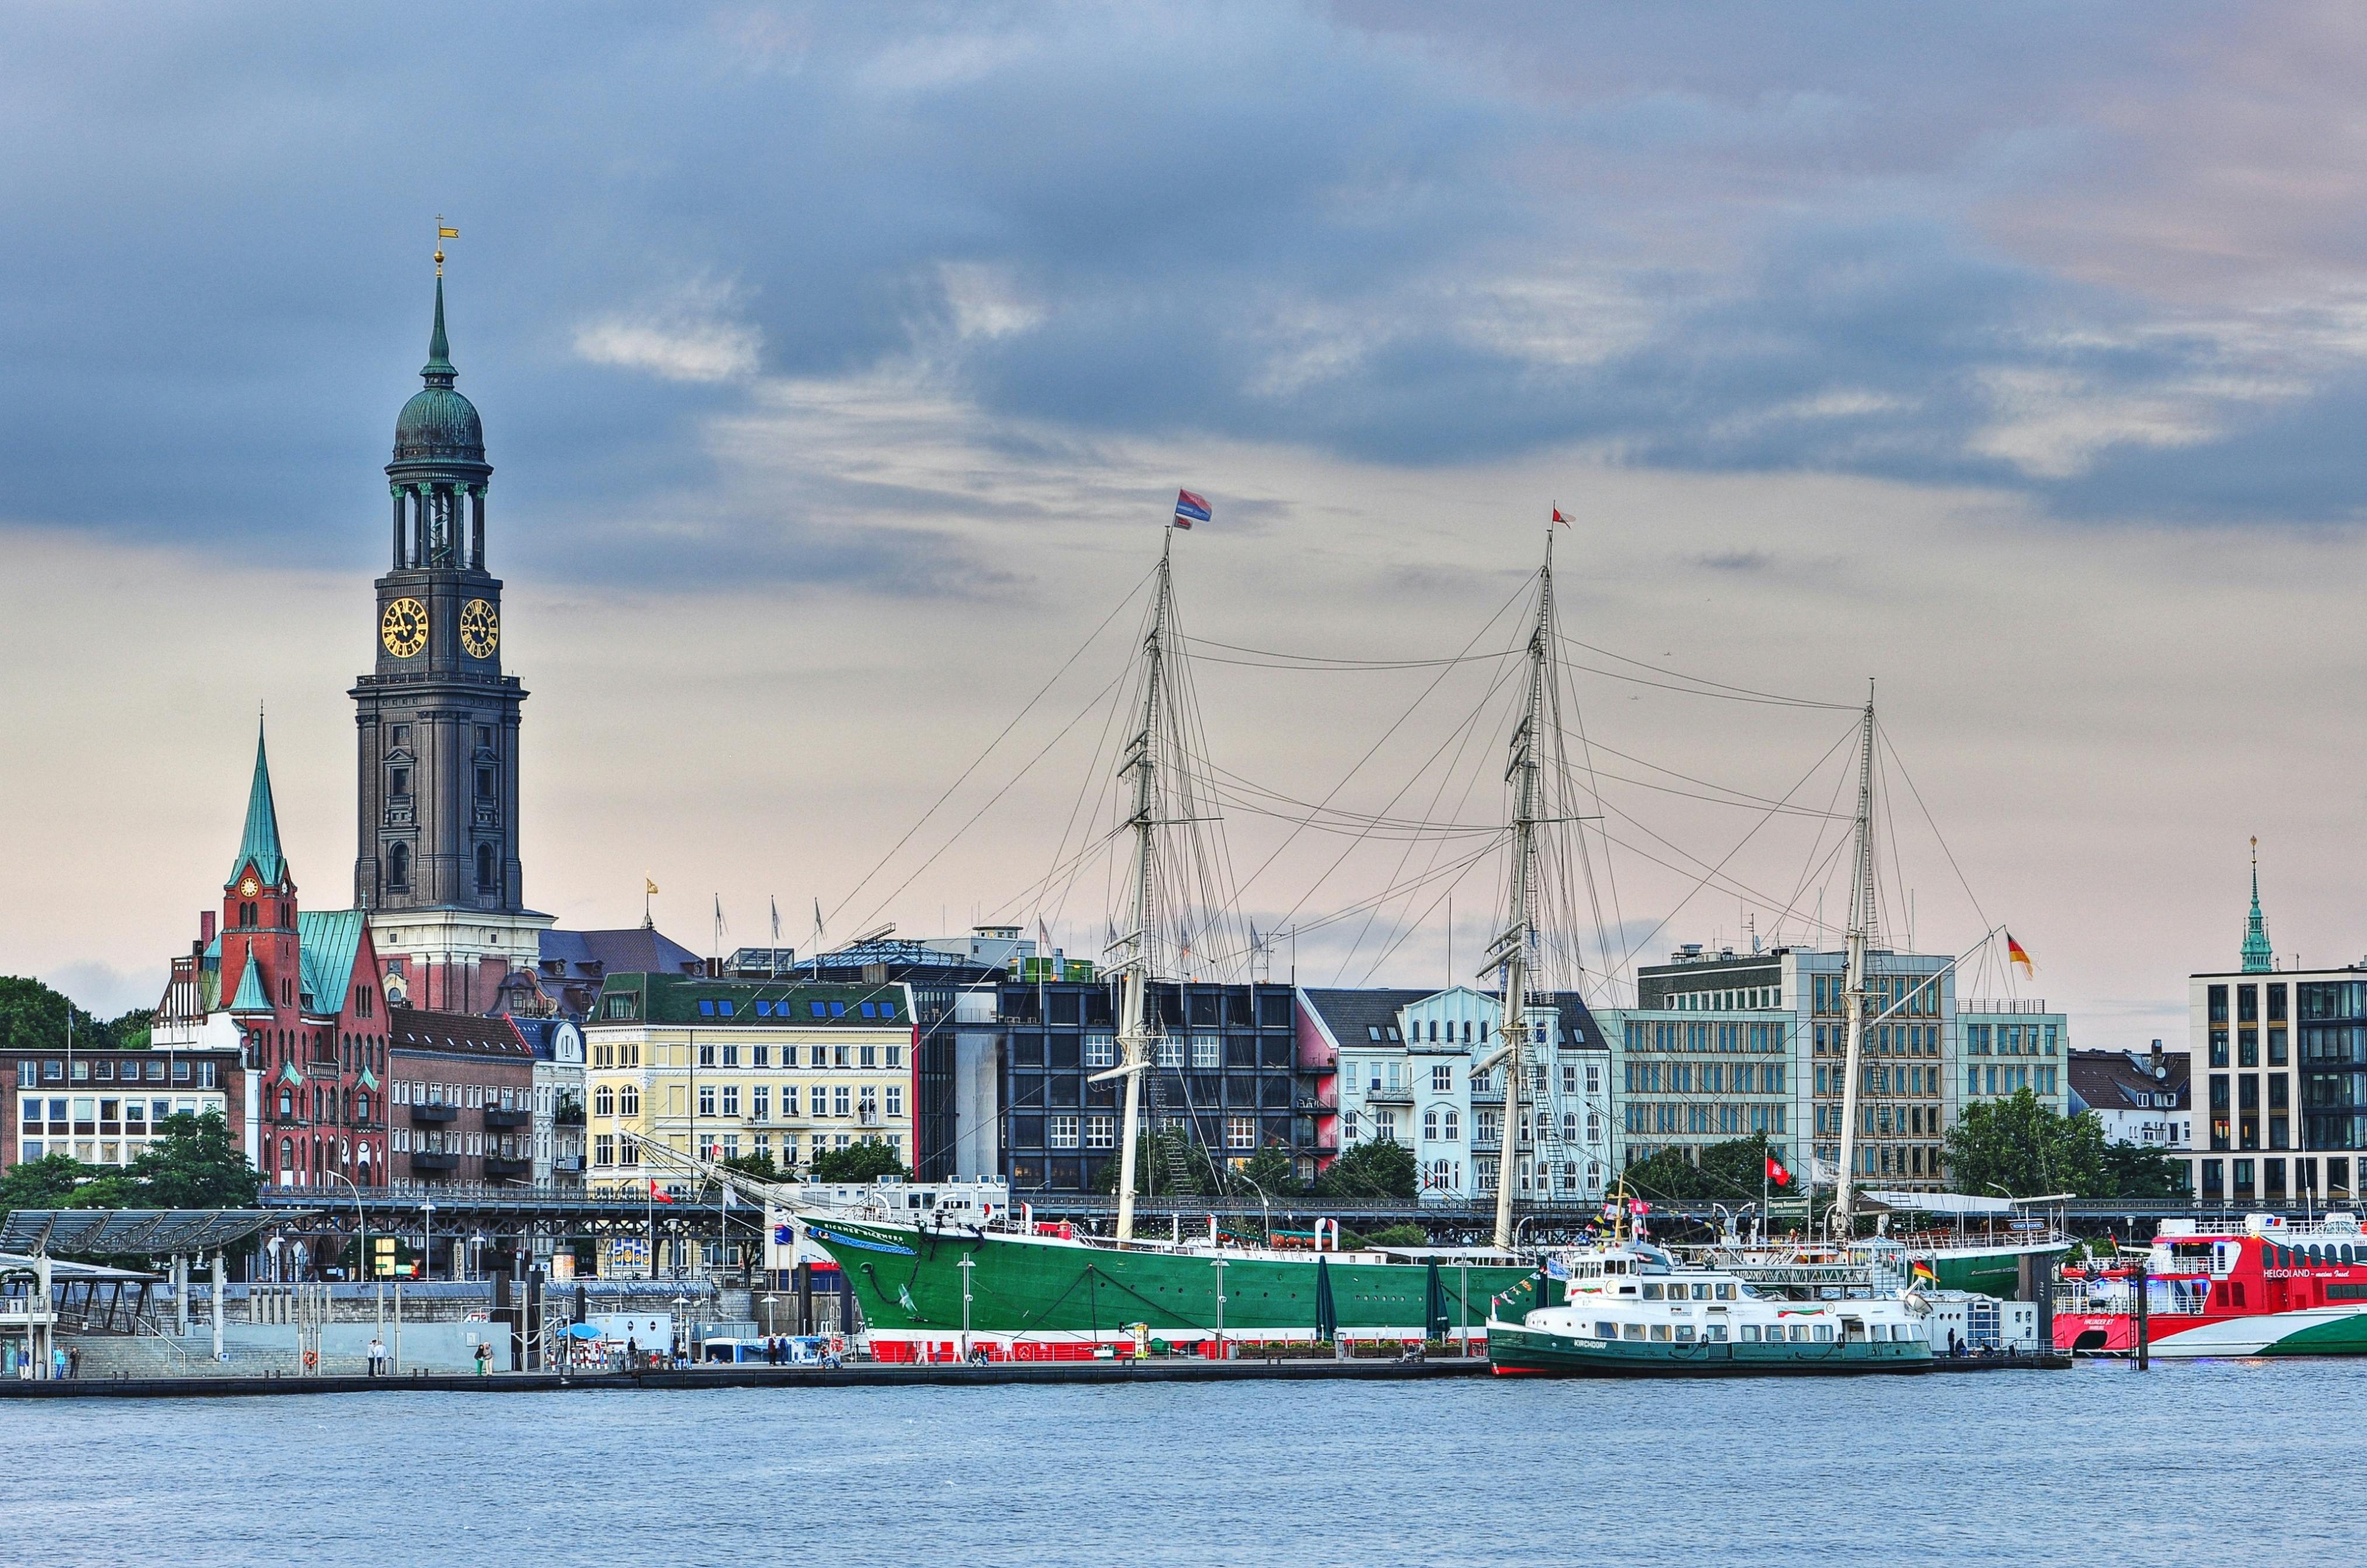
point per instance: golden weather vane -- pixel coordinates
(442, 234)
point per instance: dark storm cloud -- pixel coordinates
(1250, 221)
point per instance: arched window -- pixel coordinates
(398, 868)
(286, 1154)
(628, 1101)
(604, 1101)
(1454, 1126)
(488, 873)
(1430, 1126)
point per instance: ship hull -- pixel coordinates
(1024, 1289)
(1990, 1271)
(2318, 1330)
(1525, 1352)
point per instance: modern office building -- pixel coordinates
(2011, 1044)
(2281, 1056)
(1728, 1044)
(103, 1107)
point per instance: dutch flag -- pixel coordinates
(1190, 508)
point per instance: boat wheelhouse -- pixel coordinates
(2261, 1288)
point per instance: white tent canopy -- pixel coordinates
(1945, 1203)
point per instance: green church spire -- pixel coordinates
(259, 846)
(438, 370)
(2259, 957)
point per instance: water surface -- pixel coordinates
(2100, 1464)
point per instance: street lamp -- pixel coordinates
(362, 1222)
(969, 1262)
(477, 1256)
(427, 1244)
(682, 1326)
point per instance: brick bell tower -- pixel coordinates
(436, 863)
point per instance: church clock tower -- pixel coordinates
(438, 865)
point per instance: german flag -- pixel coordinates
(2015, 953)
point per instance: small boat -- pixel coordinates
(1631, 1309)
(2261, 1288)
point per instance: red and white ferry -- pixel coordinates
(2264, 1288)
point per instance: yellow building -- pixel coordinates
(733, 1068)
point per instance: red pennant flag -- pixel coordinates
(1776, 1173)
(1559, 519)
(656, 1195)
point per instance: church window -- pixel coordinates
(398, 782)
(485, 783)
(488, 873)
(398, 868)
(401, 735)
(485, 736)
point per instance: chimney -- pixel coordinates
(204, 926)
(2160, 1061)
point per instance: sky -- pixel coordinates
(837, 365)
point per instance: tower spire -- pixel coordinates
(259, 844)
(2259, 957)
(438, 370)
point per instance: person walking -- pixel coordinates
(377, 1357)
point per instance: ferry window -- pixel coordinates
(1726, 1293)
(1716, 1332)
(1685, 1331)
(1751, 1334)
(1659, 1331)
(1652, 1293)
(1701, 1292)
(1606, 1330)
(1824, 1334)
(1632, 1330)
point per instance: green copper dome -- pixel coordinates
(439, 424)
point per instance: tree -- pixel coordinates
(1376, 1169)
(1398, 1236)
(1732, 1172)
(759, 1165)
(131, 1031)
(1268, 1172)
(869, 1160)
(46, 1183)
(2132, 1170)
(194, 1166)
(33, 1018)
(2023, 1149)
(1158, 1154)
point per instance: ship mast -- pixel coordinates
(1519, 939)
(1137, 1031)
(1861, 922)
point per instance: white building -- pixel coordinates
(2142, 1098)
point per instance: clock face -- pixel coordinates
(404, 627)
(480, 629)
(249, 888)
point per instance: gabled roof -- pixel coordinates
(2118, 1080)
(259, 844)
(250, 997)
(413, 1030)
(588, 954)
(328, 941)
(1349, 1016)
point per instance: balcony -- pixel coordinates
(500, 1169)
(569, 1114)
(495, 1116)
(425, 1162)
(435, 1113)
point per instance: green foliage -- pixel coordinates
(46, 1183)
(131, 1031)
(2131, 1170)
(2023, 1149)
(1732, 1172)
(33, 1018)
(1269, 1171)
(1377, 1168)
(867, 1161)
(1154, 1172)
(759, 1165)
(1398, 1236)
(194, 1166)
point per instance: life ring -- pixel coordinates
(311, 1359)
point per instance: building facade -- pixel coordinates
(1756, 1042)
(103, 1107)
(559, 1088)
(1415, 1068)
(437, 864)
(2143, 1099)
(2009, 1045)
(294, 993)
(734, 1068)
(1225, 1075)
(463, 1097)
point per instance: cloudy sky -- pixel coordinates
(837, 364)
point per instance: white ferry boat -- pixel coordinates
(1630, 1309)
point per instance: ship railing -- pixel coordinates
(2164, 1299)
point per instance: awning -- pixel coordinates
(1945, 1203)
